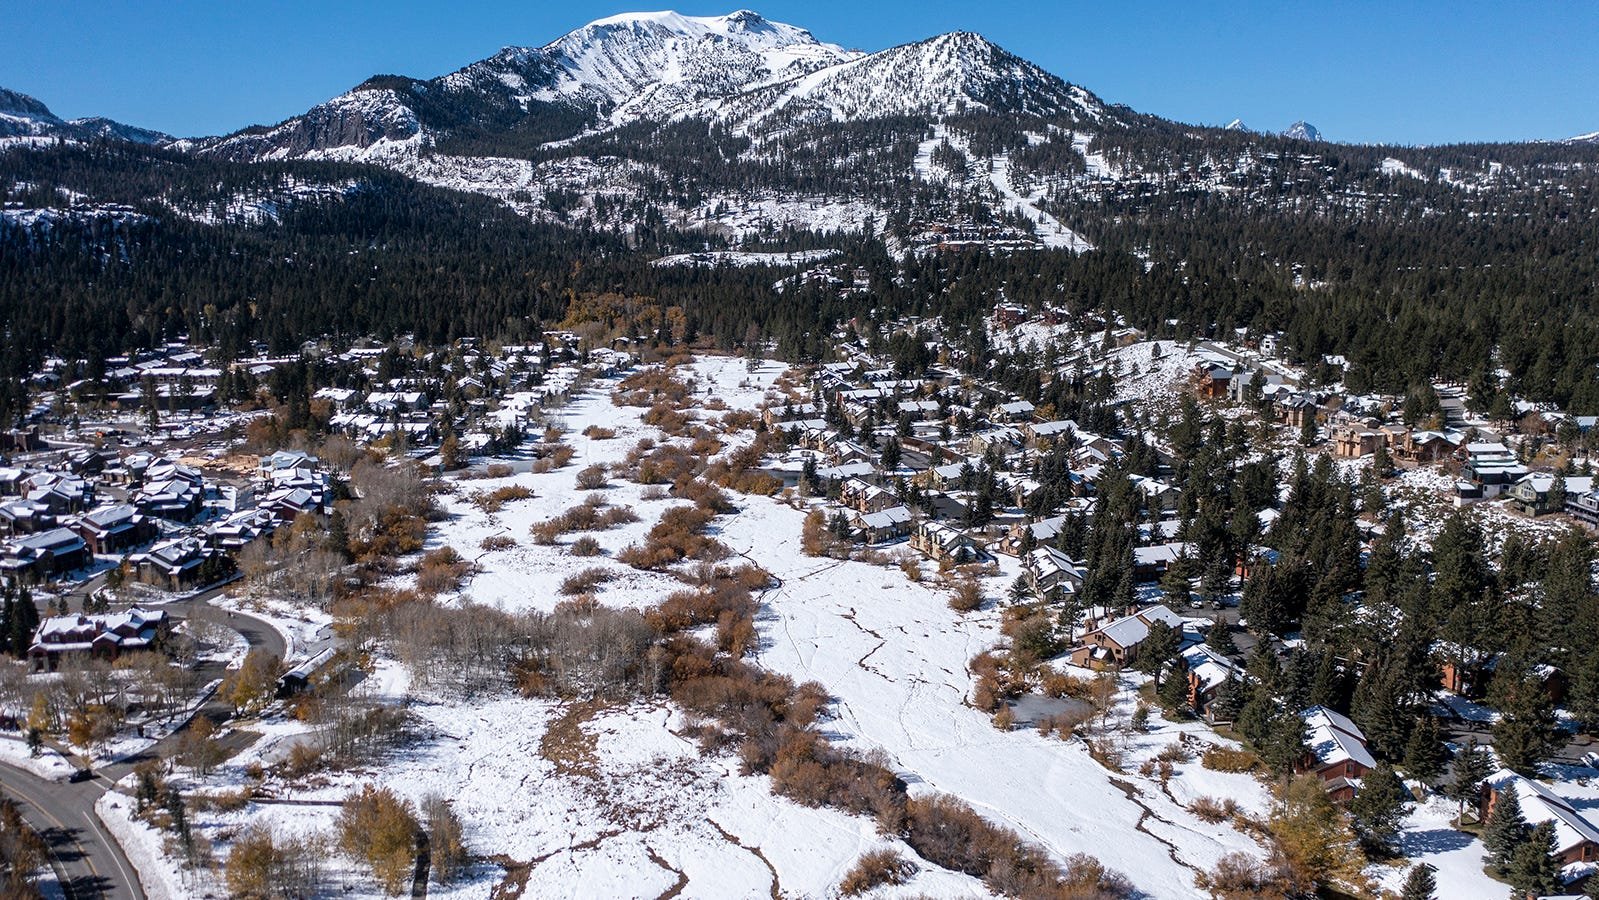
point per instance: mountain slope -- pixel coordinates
(22, 116)
(610, 72)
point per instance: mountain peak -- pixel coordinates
(16, 103)
(1236, 125)
(1302, 131)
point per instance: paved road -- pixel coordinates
(89, 861)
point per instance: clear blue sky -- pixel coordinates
(1411, 71)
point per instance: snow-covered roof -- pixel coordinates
(1334, 738)
(1540, 804)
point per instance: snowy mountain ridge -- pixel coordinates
(22, 116)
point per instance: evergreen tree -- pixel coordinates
(1377, 810)
(1420, 883)
(1472, 766)
(1527, 731)
(1533, 869)
(1227, 701)
(891, 454)
(1220, 639)
(1425, 753)
(1504, 831)
(1157, 647)
(1173, 691)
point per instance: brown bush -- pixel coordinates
(441, 571)
(378, 828)
(591, 478)
(1239, 876)
(498, 542)
(705, 496)
(678, 536)
(1226, 759)
(1211, 810)
(585, 546)
(599, 432)
(965, 595)
(497, 470)
(874, 869)
(586, 581)
(495, 500)
(560, 456)
(650, 386)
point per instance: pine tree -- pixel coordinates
(1533, 869)
(1472, 766)
(1504, 831)
(1220, 639)
(1425, 753)
(1159, 646)
(1420, 883)
(1227, 701)
(1377, 809)
(1527, 731)
(1173, 692)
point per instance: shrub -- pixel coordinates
(591, 478)
(497, 470)
(1226, 759)
(498, 542)
(1239, 876)
(874, 869)
(1211, 810)
(446, 845)
(586, 581)
(441, 571)
(599, 432)
(585, 546)
(495, 500)
(378, 828)
(966, 595)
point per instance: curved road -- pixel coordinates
(87, 860)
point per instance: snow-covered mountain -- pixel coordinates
(626, 68)
(1302, 131)
(947, 74)
(22, 116)
(1236, 125)
(659, 67)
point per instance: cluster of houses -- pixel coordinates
(170, 524)
(1489, 465)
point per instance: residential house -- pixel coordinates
(1051, 574)
(883, 525)
(1584, 506)
(1423, 446)
(1014, 411)
(36, 557)
(1531, 493)
(176, 564)
(1211, 382)
(939, 542)
(1337, 752)
(862, 496)
(1043, 435)
(113, 529)
(1115, 644)
(107, 636)
(1150, 563)
(240, 528)
(1353, 440)
(1576, 838)
(1207, 672)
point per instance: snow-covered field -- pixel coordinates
(616, 801)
